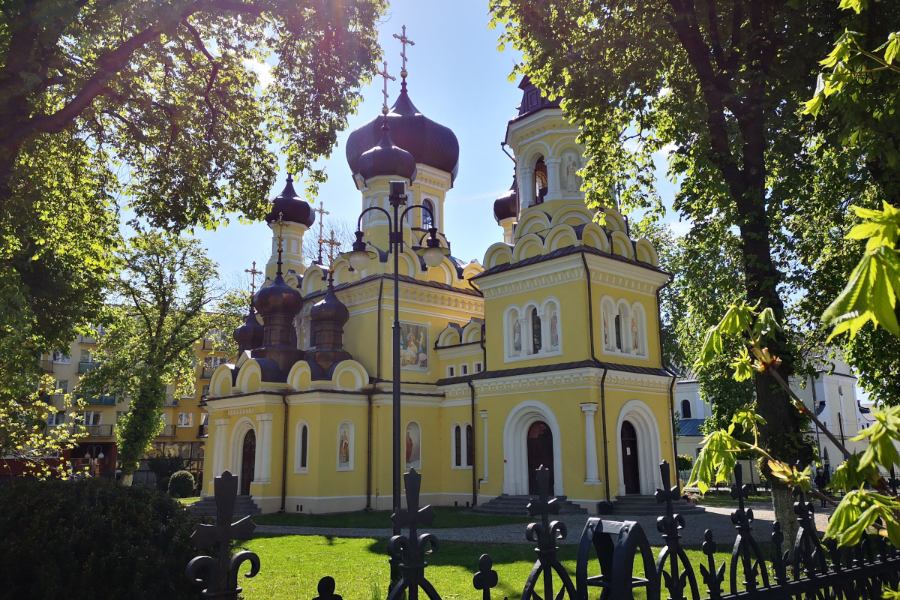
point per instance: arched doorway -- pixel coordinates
(248, 460)
(540, 453)
(630, 463)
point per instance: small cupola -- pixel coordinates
(249, 335)
(387, 159)
(328, 318)
(291, 206)
(507, 205)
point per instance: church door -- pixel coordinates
(630, 465)
(248, 459)
(540, 452)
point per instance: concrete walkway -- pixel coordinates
(716, 518)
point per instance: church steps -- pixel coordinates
(243, 507)
(506, 504)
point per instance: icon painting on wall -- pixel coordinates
(413, 347)
(413, 446)
(344, 446)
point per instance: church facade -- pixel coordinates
(548, 353)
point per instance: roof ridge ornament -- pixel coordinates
(321, 210)
(404, 41)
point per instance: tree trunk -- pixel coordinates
(142, 424)
(127, 479)
(783, 503)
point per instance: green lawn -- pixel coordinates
(721, 500)
(444, 517)
(292, 566)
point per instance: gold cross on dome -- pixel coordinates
(280, 223)
(253, 273)
(404, 41)
(332, 243)
(322, 212)
(384, 73)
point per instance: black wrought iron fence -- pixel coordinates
(608, 555)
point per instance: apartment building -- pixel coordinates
(186, 421)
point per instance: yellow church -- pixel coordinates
(548, 353)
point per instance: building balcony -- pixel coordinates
(86, 339)
(105, 400)
(99, 430)
(203, 431)
(168, 431)
(208, 372)
(84, 367)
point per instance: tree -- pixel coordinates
(164, 302)
(154, 106)
(722, 81)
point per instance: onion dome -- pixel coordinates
(507, 205)
(291, 206)
(328, 318)
(249, 336)
(430, 143)
(387, 158)
(278, 298)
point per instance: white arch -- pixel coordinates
(549, 306)
(623, 309)
(649, 454)
(298, 447)
(515, 447)
(640, 320)
(510, 316)
(236, 447)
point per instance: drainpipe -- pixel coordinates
(674, 377)
(674, 438)
(284, 451)
(378, 312)
(474, 454)
(369, 452)
(587, 277)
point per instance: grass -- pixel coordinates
(711, 500)
(292, 566)
(444, 517)
(189, 501)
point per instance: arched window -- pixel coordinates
(685, 409)
(540, 181)
(301, 452)
(304, 447)
(457, 438)
(638, 330)
(514, 337)
(413, 446)
(428, 218)
(607, 315)
(470, 446)
(535, 331)
(623, 329)
(618, 322)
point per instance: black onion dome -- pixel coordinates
(386, 158)
(430, 143)
(292, 207)
(278, 298)
(330, 309)
(249, 335)
(507, 205)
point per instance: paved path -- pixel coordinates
(716, 518)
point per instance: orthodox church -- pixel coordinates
(547, 353)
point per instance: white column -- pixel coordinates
(263, 464)
(526, 186)
(484, 451)
(590, 444)
(554, 190)
(220, 448)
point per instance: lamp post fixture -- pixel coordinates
(98, 454)
(433, 254)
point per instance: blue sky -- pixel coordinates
(458, 78)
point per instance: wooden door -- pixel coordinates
(248, 460)
(630, 463)
(540, 453)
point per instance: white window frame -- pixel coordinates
(463, 369)
(181, 419)
(451, 371)
(610, 309)
(89, 416)
(298, 448)
(463, 443)
(478, 367)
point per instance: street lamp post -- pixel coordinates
(433, 254)
(97, 449)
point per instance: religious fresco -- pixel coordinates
(413, 347)
(344, 446)
(571, 162)
(413, 446)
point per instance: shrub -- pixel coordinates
(181, 484)
(90, 539)
(685, 462)
(163, 466)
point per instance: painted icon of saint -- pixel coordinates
(517, 337)
(635, 340)
(344, 456)
(554, 331)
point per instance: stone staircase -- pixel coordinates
(636, 506)
(518, 506)
(243, 507)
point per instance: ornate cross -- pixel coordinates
(408, 551)
(404, 41)
(253, 273)
(384, 73)
(413, 515)
(220, 576)
(322, 212)
(331, 242)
